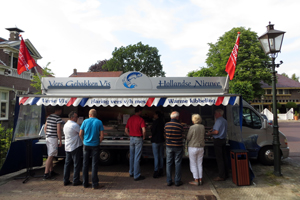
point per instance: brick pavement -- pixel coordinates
(118, 185)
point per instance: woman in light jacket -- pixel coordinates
(196, 143)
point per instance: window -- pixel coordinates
(251, 119)
(269, 91)
(14, 62)
(280, 91)
(286, 91)
(3, 105)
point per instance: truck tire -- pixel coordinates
(106, 157)
(266, 155)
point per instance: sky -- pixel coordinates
(75, 34)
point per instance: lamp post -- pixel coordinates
(262, 103)
(271, 42)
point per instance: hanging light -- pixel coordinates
(271, 41)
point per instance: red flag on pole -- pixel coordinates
(231, 63)
(25, 61)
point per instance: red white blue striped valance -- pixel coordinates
(185, 101)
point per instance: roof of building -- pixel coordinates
(97, 74)
(15, 29)
(283, 82)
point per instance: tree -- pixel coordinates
(36, 82)
(98, 67)
(203, 72)
(278, 105)
(251, 68)
(284, 74)
(290, 105)
(295, 78)
(137, 57)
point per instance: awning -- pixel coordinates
(149, 101)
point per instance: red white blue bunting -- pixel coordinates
(185, 101)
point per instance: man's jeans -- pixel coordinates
(158, 154)
(74, 155)
(136, 145)
(90, 151)
(174, 154)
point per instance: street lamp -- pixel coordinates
(262, 103)
(271, 42)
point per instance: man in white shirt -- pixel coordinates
(73, 148)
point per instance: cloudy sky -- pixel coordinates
(77, 33)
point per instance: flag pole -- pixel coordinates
(42, 84)
(226, 82)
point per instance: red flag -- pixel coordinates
(25, 61)
(231, 63)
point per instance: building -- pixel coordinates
(96, 74)
(11, 83)
(287, 90)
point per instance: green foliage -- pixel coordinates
(296, 114)
(278, 105)
(245, 88)
(295, 78)
(36, 82)
(203, 72)
(284, 74)
(137, 57)
(5, 141)
(250, 69)
(291, 105)
(98, 67)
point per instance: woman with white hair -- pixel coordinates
(196, 143)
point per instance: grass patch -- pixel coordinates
(272, 179)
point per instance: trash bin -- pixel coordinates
(240, 167)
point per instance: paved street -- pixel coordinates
(119, 186)
(291, 130)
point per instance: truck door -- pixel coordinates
(253, 132)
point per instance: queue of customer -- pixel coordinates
(90, 135)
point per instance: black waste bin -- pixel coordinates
(240, 167)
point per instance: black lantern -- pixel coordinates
(271, 41)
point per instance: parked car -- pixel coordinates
(270, 122)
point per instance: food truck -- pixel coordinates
(115, 98)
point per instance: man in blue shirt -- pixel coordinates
(219, 133)
(91, 133)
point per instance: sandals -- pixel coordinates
(194, 183)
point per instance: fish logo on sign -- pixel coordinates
(128, 81)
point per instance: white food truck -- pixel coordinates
(114, 98)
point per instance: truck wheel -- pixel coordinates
(266, 155)
(106, 157)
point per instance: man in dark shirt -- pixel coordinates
(157, 139)
(136, 129)
(174, 148)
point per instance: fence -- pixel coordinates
(286, 116)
